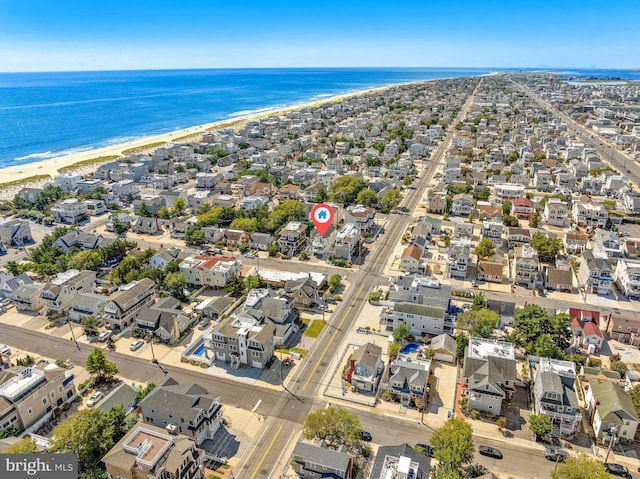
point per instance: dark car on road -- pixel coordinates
(365, 436)
(428, 450)
(555, 454)
(617, 469)
(490, 451)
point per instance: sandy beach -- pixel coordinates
(52, 166)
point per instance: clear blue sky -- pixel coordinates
(142, 34)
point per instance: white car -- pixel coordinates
(137, 344)
(104, 336)
(95, 397)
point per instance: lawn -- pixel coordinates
(314, 329)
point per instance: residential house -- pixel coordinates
(609, 243)
(234, 238)
(265, 307)
(252, 202)
(15, 232)
(463, 230)
(629, 203)
(421, 318)
(585, 328)
(187, 409)
(145, 225)
(444, 348)
(9, 283)
(69, 211)
(555, 395)
(411, 260)
(461, 205)
(458, 258)
(558, 279)
(165, 256)
(29, 394)
(491, 271)
(437, 202)
(304, 292)
(67, 181)
(59, 293)
(309, 460)
(96, 207)
(400, 462)
(575, 243)
(363, 217)
(123, 395)
(609, 407)
(149, 452)
(212, 271)
(556, 212)
(493, 231)
(505, 310)
(260, 241)
(588, 215)
(507, 191)
(242, 342)
(522, 208)
(87, 304)
(489, 375)
(627, 277)
(526, 267)
(623, 329)
(407, 381)
(164, 320)
(199, 198)
(292, 238)
(224, 201)
(347, 242)
(364, 368)
(27, 297)
(542, 180)
(79, 239)
(125, 304)
(518, 237)
(596, 272)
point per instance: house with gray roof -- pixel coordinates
(609, 406)
(8, 283)
(444, 347)
(364, 367)
(14, 232)
(187, 409)
(318, 461)
(407, 381)
(555, 395)
(79, 239)
(125, 304)
(400, 461)
(84, 305)
(124, 395)
(26, 297)
(489, 374)
(164, 320)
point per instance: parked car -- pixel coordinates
(137, 344)
(249, 255)
(490, 451)
(366, 436)
(5, 351)
(203, 324)
(428, 450)
(95, 397)
(617, 469)
(555, 454)
(105, 335)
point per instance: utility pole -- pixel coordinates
(73, 336)
(614, 435)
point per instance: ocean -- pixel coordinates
(48, 115)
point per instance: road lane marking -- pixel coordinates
(335, 332)
(266, 453)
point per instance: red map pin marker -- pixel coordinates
(322, 217)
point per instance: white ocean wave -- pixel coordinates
(252, 112)
(37, 156)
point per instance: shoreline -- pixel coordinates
(13, 178)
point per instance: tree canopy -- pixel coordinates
(99, 367)
(345, 189)
(531, 322)
(367, 197)
(479, 323)
(485, 248)
(540, 424)
(390, 199)
(547, 248)
(635, 397)
(334, 424)
(580, 466)
(453, 443)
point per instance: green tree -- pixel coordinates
(23, 446)
(479, 323)
(546, 348)
(89, 259)
(235, 286)
(164, 212)
(28, 360)
(635, 397)
(540, 424)
(446, 472)
(532, 321)
(211, 217)
(144, 391)
(143, 210)
(250, 225)
(580, 467)
(453, 443)
(461, 344)
(509, 220)
(175, 284)
(547, 248)
(119, 226)
(334, 282)
(194, 235)
(367, 197)
(619, 366)
(345, 189)
(485, 248)
(90, 326)
(393, 351)
(99, 367)
(506, 207)
(179, 205)
(390, 199)
(288, 210)
(534, 222)
(479, 302)
(402, 332)
(334, 424)
(254, 281)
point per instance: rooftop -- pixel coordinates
(485, 348)
(148, 446)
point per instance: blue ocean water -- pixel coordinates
(47, 115)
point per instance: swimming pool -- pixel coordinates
(409, 348)
(199, 351)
